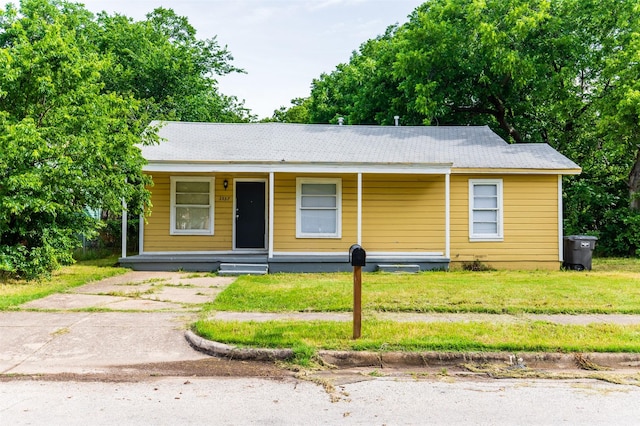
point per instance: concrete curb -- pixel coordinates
(228, 351)
(569, 361)
(563, 361)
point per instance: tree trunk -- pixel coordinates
(634, 184)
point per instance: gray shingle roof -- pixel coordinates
(461, 147)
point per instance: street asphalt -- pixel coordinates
(142, 317)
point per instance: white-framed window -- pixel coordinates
(318, 208)
(485, 210)
(192, 205)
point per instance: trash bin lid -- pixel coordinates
(581, 237)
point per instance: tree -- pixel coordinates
(363, 91)
(162, 63)
(65, 145)
(297, 113)
(76, 97)
(564, 72)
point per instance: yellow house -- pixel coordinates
(292, 197)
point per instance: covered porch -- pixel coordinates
(361, 221)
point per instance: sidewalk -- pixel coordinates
(142, 317)
(583, 319)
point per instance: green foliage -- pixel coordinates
(162, 63)
(364, 91)
(621, 232)
(297, 113)
(64, 145)
(563, 72)
(76, 96)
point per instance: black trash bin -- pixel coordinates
(578, 251)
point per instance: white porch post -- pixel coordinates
(124, 228)
(271, 213)
(447, 215)
(560, 222)
(141, 234)
(359, 214)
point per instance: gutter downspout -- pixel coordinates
(560, 222)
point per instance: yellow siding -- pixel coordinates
(400, 213)
(403, 213)
(285, 216)
(530, 223)
(156, 230)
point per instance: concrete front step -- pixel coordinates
(243, 269)
(412, 269)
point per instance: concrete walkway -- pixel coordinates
(141, 317)
(430, 317)
(139, 291)
(135, 318)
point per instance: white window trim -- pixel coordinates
(172, 218)
(487, 237)
(338, 183)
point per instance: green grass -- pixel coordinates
(391, 336)
(612, 287)
(14, 293)
(616, 264)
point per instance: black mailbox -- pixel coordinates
(357, 255)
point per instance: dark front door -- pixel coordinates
(250, 215)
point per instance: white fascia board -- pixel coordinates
(382, 168)
(511, 171)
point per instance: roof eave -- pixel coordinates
(287, 166)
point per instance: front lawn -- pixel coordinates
(14, 293)
(612, 287)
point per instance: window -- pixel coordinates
(318, 208)
(191, 206)
(485, 210)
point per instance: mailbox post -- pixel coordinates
(357, 258)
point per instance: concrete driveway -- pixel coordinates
(135, 318)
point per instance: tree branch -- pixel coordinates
(474, 109)
(501, 116)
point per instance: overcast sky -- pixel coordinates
(282, 44)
